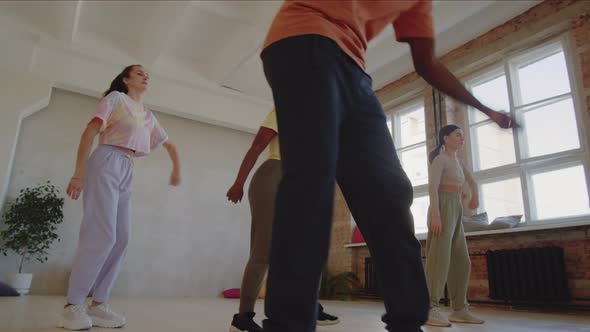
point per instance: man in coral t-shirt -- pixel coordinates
(333, 128)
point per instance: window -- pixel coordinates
(409, 135)
(407, 127)
(502, 197)
(560, 193)
(420, 212)
(540, 170)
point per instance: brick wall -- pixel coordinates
(575, 241)
(576, 244)
(340, 258)
(548, 19)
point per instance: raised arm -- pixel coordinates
(437, 75)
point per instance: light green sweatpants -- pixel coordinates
(447, 258)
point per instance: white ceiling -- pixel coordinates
(215, 45)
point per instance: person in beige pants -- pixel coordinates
(261, 194)
(447, 257)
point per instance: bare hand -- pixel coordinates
(175, 179)
(75, 187)
(503, 120)
(436, 226)
(235, 193)
(474, 202)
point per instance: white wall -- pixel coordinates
(186, 241)
(21, 96)
(80, 68)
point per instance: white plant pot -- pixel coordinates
(21, 282)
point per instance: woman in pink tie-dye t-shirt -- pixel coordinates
(126, 129)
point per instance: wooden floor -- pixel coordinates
(41, 314)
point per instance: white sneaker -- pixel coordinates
(437, 318)
(75, 318)
(464, 316)
(103, 316)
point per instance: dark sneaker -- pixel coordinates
(326, 319)
(244, 324)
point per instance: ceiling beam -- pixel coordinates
(161, 33)
(71, 29)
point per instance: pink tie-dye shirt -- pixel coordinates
(127, 123)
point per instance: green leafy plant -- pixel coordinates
(31, 223)
(341, 286)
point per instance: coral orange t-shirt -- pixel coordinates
(352, 23)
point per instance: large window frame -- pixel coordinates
(394, 116)
(524, 167)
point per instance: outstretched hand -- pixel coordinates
(503, 120)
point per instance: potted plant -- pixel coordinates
(30, 229)
(340, 286)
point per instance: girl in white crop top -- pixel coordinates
(447, 257)
(127, 129)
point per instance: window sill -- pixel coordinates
(574, 223)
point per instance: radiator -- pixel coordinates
(372, 287)
(529, 274)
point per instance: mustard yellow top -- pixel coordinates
(270, 122)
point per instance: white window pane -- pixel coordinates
(412, 128)
(494, 94)
(561, 193)
(492, 146)
(389, 125)
(415, 164)
(543, 79)
(552, 128)
(420, 212)
(502, 198)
